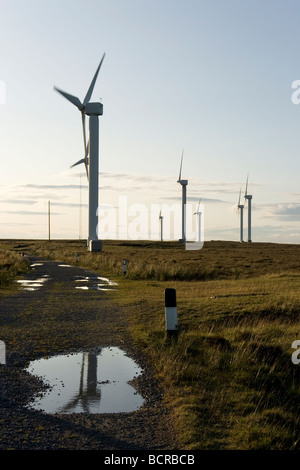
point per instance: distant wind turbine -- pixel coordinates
(199, 213)
(184, 184)
(248, 198)
(241, 208)
(91, 154)
(161, 218)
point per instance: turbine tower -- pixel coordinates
(198, 213)
(241, 207)
(91, 154)
(248, 198)
(161, 218)
(184, 184)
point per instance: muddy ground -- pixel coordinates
(58, 318)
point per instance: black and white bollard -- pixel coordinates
(124, 267)
(171, 312)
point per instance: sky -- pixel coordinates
(212, 79)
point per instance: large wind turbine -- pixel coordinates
(241, 207)
(184, 184)
(248, 198)
(198, 213)
(91, 155)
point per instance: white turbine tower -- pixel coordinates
(91, 155)
(198, 213)
(184, 184)
(241, 207)
(248, 198)
(161, 218)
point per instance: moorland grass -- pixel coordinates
(12, 264)
(228, 377)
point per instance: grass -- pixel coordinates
(12, 264)
(228, 378)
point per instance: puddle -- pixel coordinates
(96, 283)
(64, 266)
(87, 383)
(32, 284)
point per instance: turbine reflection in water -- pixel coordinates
(87, 383)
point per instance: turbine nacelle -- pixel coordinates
(183, 182)
(94, 109)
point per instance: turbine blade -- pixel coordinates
(199, 204)
(91, 88)
(179, 179)
(86, 167)
(83, 160)
(86, 148)
(239, 198)
(86, 160)
(246, 185)
(83, 130)
(71, 98)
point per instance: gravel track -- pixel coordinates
(57, 318)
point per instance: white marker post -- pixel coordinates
(2, 353)
(171, 312)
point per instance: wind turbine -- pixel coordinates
(198, 213)
(248, 198)
(241, 207)
(161, 218)
(91, 154)
(184, 184)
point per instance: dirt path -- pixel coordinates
(56, 318)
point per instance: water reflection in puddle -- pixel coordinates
(95, 283)
(88, 383)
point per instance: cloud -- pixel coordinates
(68, 204)
(22, 212)
(22, 201)
(196, 199)
(52, 186)
(281, 211)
